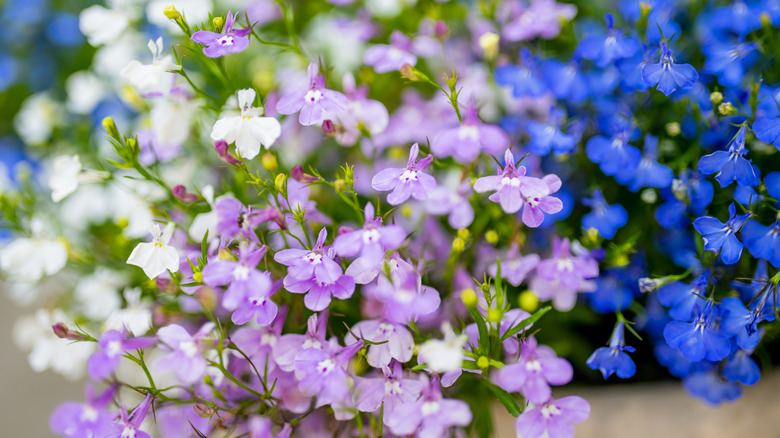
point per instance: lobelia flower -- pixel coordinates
(613, 155)
(90, 419)
(314, 102)
(553, 418)
(127, 425)
(767, 129)
(700, 338)
(606, 49)
(455, 203)
(388, 340)
(741, 322)
(534, 207)
(185, 357)
(614, 359)
(604, 218)
(720, 237)
(667, 75)
(515, 266)
(711, 387)
(222, 44)
(441, 356)
(649, 173)
(324, 374)
(363, 114)
(472, 137)
(741, 368)
(547, 137)
(431, 415)
(289, 345)
(385, 58)
(405, 182)
(259, 343)
(250, 131)
(29, 259)
(537, 368)
(521, 78)
(135, 318)
(249, 292)
(151, 77)
(682, 298)
(542, 19)
(316, 274)
(731, 165)
(565, 81)
(388, 391)
(235, 219)
(113, 344)
(570, 271)
(157, 256)
(511, 186)
(67, 175)
(762, 241)
(401, 292)
(728, 61)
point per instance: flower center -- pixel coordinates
(430, 407)
(241, 273)
(565, 264)
(408, 176)
(313, 96)
(468, 132)
(114, 348)
(188, 348)
(313, 258)
(393, 387)
(312, 343)
(226, 40)
(89, 414)
(514, 181)
(550, 411)
(370, 236)
(128, 432)
(533, 365)
(268, 339)
(326, 366)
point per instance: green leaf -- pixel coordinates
(505, 398)
(499, 286)
(525, 323)
(484, 340)
(469, 365)
(204, 247)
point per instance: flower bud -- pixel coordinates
(491, 236)
(494, 315)
(483, 362)
(716, 97)
(171, 13)
(165, 285)
(207, 296)
(63, 332)
(408, 72)
(488, 41)
(180, 193)
(440, 29)
(218, 22)
(673, 129)
(469, 297)
(341, 185)
(593, 234)
(679, 189)
(110, 127)
(528, 301)
(647, 284)
(464, 233)
(279, 182)
(269, 162)
(458, 245)
(221, 147)
(203, 410)
(648, 196)
(329, 128)
(726, 108)
(766, 19)
(299, 175)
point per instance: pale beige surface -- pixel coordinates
(634, 411)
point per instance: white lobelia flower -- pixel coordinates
(446, 355)
(154, 76)
(101, 25)
(249, 130)
(136, 317)
(37, 118)
(205, 222)
(28, 259)
(157, 256)
(85, 91)
(97, 295)
(66, 176)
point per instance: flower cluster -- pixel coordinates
(349, 219)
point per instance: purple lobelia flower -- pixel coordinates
(614, 359)
(249, 291)
(515, 266)
(569, 270)
(720, 237)
(385, 58)
(323, 373)
(429, 416)
(472, 137)
(222, 44)
(388, 341)
(113, 344)
(405, 182)
(370, 243)
(128, 425)
(289, 345)
(387, 391)
(553, 418)
(259, 343)
(316, 274)
(535, 207)
(90, 419)
(363, 114)
(731, 165)
(235, 219)
(453, 202)
(700, 338)
(185, 357)
(313, 102)
(402, 293)
(537, 369)
(511, 186)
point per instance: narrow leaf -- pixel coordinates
(525, 323)
(505, 398)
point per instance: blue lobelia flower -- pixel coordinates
(605, 49)
(614, 359)
(650, 173)
(689, 191)
(546, 137)
(739, 321)
(741, 368)
(614, 291)
(605, 218)
(521, 78)
(722, 237)
(667, 75)
(565, 81)
(728, 61)
(767, 129)
(763, 241)
(682, 298)
(614, 154)
(730, 165)
(711, 387)
(700, 338)
(673, 360)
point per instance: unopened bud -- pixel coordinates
(483, 362)
(766, 19)
(171, 13)
(197, 276)
(673, 129)
(469, 297)
(726, 108)
(329, 128)
(440, 29)
(458, 245)
(341, 185)
(408, 72)
(648, 196)
(716, 97)
(494, 315)
(63, 332)
(110, 127)
(221, 147)
(488, 41)
(647, 284)
(165, 285)
(203, 410)
(207, 296)
(491, 236)
(593, 234)
(464, 233)
(279, 182)
(528, 301)
(268, 160)
(218, 22)
(299, 175)
(645, 8)
(679, 189)
(180, 193)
